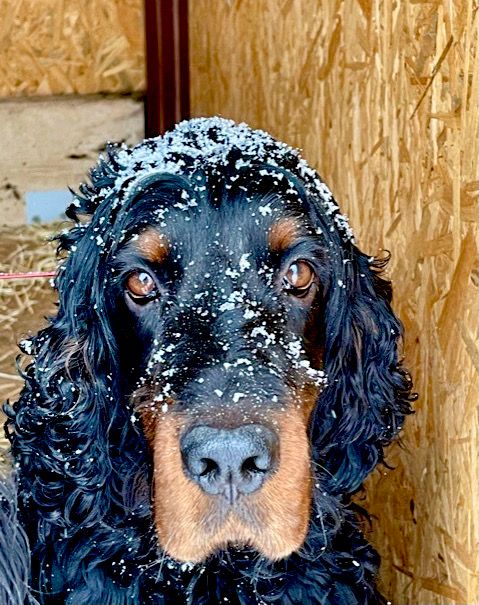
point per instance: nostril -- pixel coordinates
(255, 464)
(249, 465)
(210, 467)
(197, 465)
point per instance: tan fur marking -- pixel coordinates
(282, 234)
(152, 245)
(148, 421)
(273, 520)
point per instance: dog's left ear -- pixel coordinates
(369, 391)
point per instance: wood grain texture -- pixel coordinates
(69, 47)
(50, 143)
(382, 97)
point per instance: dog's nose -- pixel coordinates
(229, 461)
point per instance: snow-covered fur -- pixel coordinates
(82, 461)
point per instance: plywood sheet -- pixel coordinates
(70, 47)
(383, 96)
(51, 143)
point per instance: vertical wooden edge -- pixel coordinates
(167, 68)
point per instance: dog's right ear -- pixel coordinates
(69, 424)
(69, 390)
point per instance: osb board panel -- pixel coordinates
(50, 143)
(65, 46)
(382, 97)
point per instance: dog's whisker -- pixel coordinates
(323, 468)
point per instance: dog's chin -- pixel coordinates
(251, 551)
(238, 535)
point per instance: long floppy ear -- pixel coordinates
(369, 391)
(80, 455)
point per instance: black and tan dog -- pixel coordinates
(221, 376)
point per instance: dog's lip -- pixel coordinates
(243, 511)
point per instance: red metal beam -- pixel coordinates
(168, 89)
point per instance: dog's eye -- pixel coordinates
(298, 278)
(141, 286)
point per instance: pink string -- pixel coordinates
(28, 275)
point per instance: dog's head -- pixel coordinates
(214, 292)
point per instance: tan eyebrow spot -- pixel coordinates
(282, 234)
(153, 245)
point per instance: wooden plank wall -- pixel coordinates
(50, 143)
(382, 96)
(70, 47)
(55, 56)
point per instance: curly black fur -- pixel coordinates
(84, 467)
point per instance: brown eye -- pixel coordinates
(299, 277)
(140, 284)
